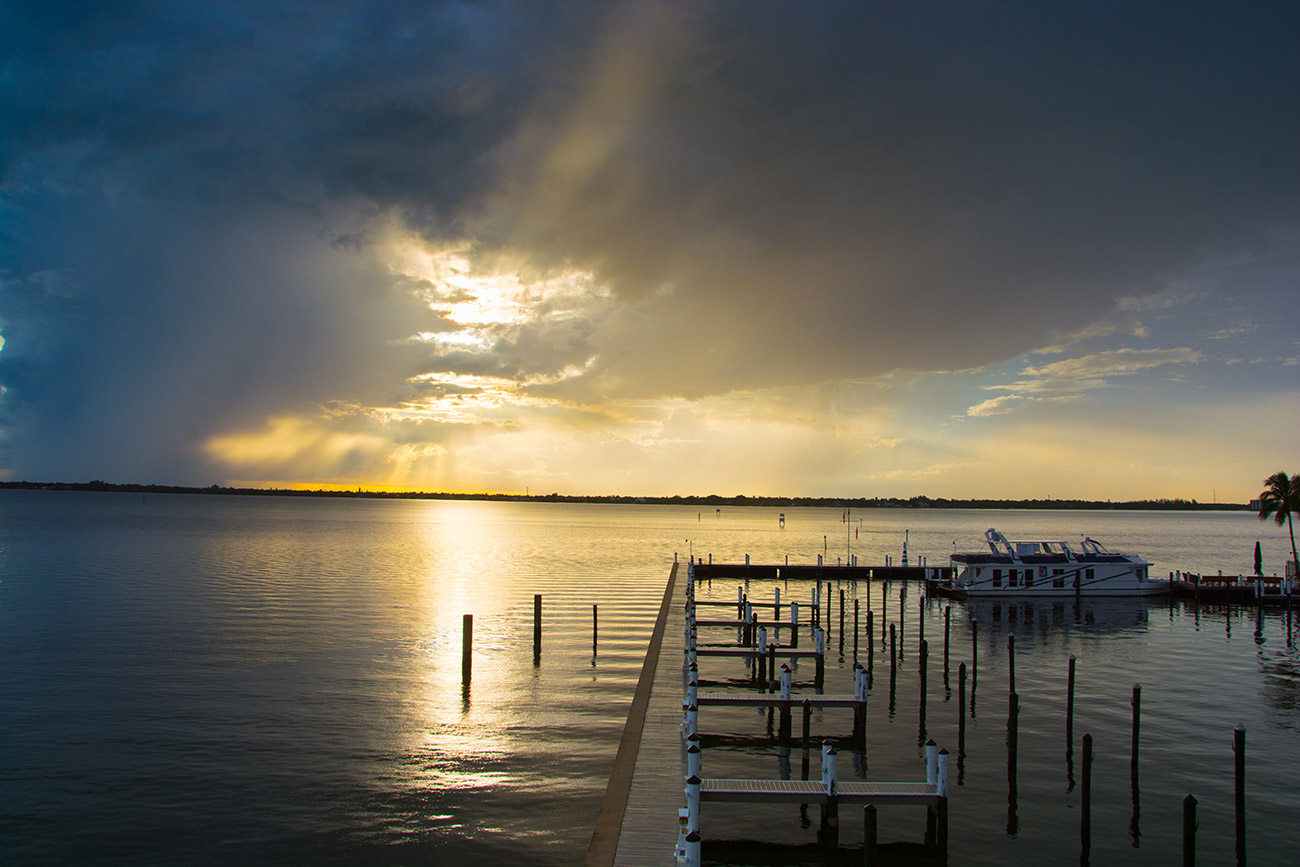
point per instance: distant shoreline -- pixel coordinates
(712, 500)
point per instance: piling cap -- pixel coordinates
(931, 743)
(693, 780)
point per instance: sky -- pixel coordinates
(858, 249)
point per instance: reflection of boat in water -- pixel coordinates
(1048, 569)
(1098, 615)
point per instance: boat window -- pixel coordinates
(1012, 577)
(1087, 575)
(997, 577)
(1042, 571)
(1029, 577)
(1058, 577)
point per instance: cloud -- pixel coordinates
(213, 219)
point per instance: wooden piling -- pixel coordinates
(947, 631)
(537, 628)
(595, 626)
(1136, 701)
(1085, 799)
(924, 654)
(974, 656)
(807, 722)
(1189, 831)
(467, 634)
(841, 617)
(1069, 707)
(893, 651)
(961, 709)
(1011, 663)
(855, 629)
(1239, 755)
(869, 835)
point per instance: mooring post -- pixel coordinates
(1069, 707)
(947, 630)
(1011, 663)
(693, 849)
(467, 634)
(893, 652)
(1013, 723)
(794, 624)
(1085, 797)
(537, 628)
(807, 723)
(855, 629)
(1137, 718)
(974, 655)
(1239, 754)
(595, 626)
(776, 606)
(1189, 831)
(869, 835)
(771, 667)
(961, 709)
(931, 779)
(693, 803)
(942, 807)
(924, 654)
(828, 606)
(819, 674)
(841, 617)
(693, 755)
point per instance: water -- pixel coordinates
(272, 680)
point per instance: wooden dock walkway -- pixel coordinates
(637, 826)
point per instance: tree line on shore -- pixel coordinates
(711, 500)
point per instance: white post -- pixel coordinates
(943, 774)
(778, 601)
(820, 640)
(787, 679)
(693, 849)
(692, 720)
(693, 674)
(693, 803)
(762, 637)
(830, 769)
(819, 559)
(794, 614)
(679, 854)
(693, 693)
(693, 758)
(931, 762)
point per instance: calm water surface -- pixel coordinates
(267, 680)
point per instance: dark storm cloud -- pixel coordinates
(770, 193)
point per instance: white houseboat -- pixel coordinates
(1011, 568)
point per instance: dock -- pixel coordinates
(652, 814)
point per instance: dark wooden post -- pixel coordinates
(869, 835)
(974, 656)
(855, 629)
(1011, 662)
(467, 634)
(1239, 751)
(537, 628)
(961, 709)
(1189, 831)
(595, 626)
(947, 630)
(807, 722)
(924, 654)
(1137, 718)
(893, 652)
(1069, 707)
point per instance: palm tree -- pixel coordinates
(1281, 500)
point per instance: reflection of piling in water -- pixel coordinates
(961, 713)
(1189, 831)
(1239, 756)
(1085, 801)
(871, 645)
(1013, 741)
(947, 631)
(595, 627)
